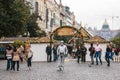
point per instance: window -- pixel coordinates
(36, 7)
(54, 17)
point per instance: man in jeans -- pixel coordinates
(9, 52)
(61, 51)
(98, 51)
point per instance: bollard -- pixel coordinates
(119, 58)
(115, 59)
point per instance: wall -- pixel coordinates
(40, 54)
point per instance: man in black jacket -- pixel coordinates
(78, 53)
(83, 53)
(48, 52)
(92, 51)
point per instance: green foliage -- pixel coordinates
(116, 41)
(19, 43)
(13, 17)
(64, 38)
(118, 35)
(33, 28)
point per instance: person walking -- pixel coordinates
(9, 53)
(98, 53)
(107, 55)
(48, 52)
(21, 51)
(30, 55)
(112, 53)
(62, 51)
(92, 51)
(55, 52)
(78, 53)
(16, 58)
(83, 53)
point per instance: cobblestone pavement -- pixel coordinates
(73, 71)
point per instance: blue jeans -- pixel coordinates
(55, 56)
(29, 62)
(98, 55)
(107, 58)
(9, 64)
(111, 56)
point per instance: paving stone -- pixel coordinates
(73, 71)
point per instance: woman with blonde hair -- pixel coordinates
(29, 57)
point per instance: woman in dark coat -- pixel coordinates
(107, 55)
(83, 53)
(78, 53)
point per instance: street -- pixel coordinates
(73, 71)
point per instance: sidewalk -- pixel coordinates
(73, 71)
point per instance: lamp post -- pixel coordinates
(51, 25)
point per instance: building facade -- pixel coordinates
(105, 31)
(52, 14)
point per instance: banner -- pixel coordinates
(66, 32)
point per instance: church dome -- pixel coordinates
(105, 26)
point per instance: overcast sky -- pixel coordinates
(92, 13)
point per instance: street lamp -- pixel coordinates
(51, 25)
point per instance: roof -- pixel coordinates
(96, 39)
(82, 33)
(40, 40)
(32, 40)
(85, 33)
(6, 39)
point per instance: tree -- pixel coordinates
(116, 41)
(14, 14)
(118, 35)
(16, 19)
(18, 43)
(33, 28)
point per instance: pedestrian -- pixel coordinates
(9, 53)
(78, 54)
(62, 52)
(98, 52)
(29, 59)
(27, 45)
(16, 58)
(70, 48)
(107, 55)
(21, 50)
(74, 52)
(22, 53)
(112, 53)
(92, 51)
(49, 53)
(83, 53)
(55, 52)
